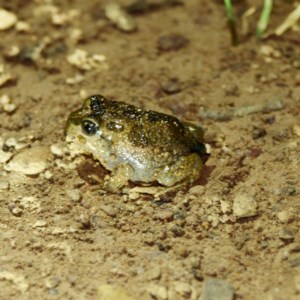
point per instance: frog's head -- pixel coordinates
(83, 125)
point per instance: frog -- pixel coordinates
(137, 145)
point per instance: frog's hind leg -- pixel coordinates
(118, 178)
(180, 174)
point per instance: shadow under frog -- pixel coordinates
(137, 145)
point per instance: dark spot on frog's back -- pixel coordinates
(97, 105)
(138, 137)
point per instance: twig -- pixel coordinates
(219, 115)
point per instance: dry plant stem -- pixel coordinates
(289, 22)
(219, 115)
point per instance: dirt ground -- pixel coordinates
(233, 235)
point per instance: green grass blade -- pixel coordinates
(264, 18)
(231, 22)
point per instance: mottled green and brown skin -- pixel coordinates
(136, 144)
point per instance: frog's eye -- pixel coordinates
(89, 127)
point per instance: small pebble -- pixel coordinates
(118, 16)
(83, 61)
(57, 150)
(5, 156)
(183, 289)
(244, 205)
(216, 289)
(4, 185)
(74, 195)
(159, 292)
(39, 223)
(30, 161)
(7, 19)
(113, 292)
(17, 211)
(172, 42)
(197, 190)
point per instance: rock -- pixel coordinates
(57, 150)
(197, 190)
(74, 195)
(172, 42)
(4, 185)
(6, 104)
(30, 161)
(5, 156)
(83, 61)
(296, 129)
(183, 289)
(112, 292)
(152, 274)
(118, 16)
(5, 76)
(159, 292)
(7, 19)
(39, 223)
(216, 289)
(285, 216)
(244, 205)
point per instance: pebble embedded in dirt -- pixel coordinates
(32, 161)
(6, 104)
(57, 150)
(84, 61)
(159, 292)
(74, 195)
(244, 205)
(183, 289)
(7, 19)
(217, 289)
(4, 185)
(113, 292)
(171, 42)
(5, 156)
(171, 86)
(5, 76)
(118, 16)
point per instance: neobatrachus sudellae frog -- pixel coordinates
(137, 145)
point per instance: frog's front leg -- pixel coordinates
(118, 178)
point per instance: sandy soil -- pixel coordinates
(62, 237)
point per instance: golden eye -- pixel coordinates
(89, 127)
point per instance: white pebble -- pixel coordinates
(244, 205)
(39, 223)
(57, 150)
(7, 19)
(5, 156)
(30, 161)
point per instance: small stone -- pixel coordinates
(269, 51)
(113, 292)
(5, 76)
(197, 190)
(17, 211)
(172, 42)
(109, 210)
(225, 207)
(22, 26)
(244, 205)
(172, 86)
(30, 161)
(216, 289)
(74, 195)
(5, 156)
(7, 19)
(183, 289)
(118, 16)
(286, 234)
(152, 274)
(57, 150)
(285, 216)
(30, 203)
(159, 292)
(4, 185)
(48, 175)
(296, 129)
(83, 61)
(133, 196)
(39, 223)
(75, 80)
(6, 104)
(11, 142)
